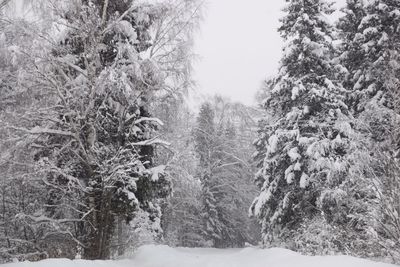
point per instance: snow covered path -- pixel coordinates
(163, 256)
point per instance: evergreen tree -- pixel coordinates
(233, 188)
(223, 148)
(373, 81)
(303, 173)
(352, 54)
(379, 35)
(205, 140)
(370, 33)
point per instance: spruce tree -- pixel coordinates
(224, 174)
(205, 138)
(351, 54)
(301, 153)
(373, 81)
(376, 81)
(370, 33)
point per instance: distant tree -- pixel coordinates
(222, 145)
(205, 141)
(22, 192)
(181, 221)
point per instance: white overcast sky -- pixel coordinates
(238, 47)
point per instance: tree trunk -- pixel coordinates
(99, 239)
(121, 246)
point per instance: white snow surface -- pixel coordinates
(163, 256)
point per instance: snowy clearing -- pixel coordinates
(163, 256)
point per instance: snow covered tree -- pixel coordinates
(372, 39)
(21, 194)
(95, 137)
(204, 135)
(78, 109)
(235, 124)
(378, 34)
(223, 146)
(172, 43)
(182, 220)
(371, 36)
(303, 167)
(234, 190)
(351, 54)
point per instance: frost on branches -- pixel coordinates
(205, 138)
(95, 138)
(224, 174)
(378, 36)
(303, 165)
(370, 35)
(351, 54)
(370, 32)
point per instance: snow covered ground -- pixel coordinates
(163, 256)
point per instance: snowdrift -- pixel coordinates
(163, 256)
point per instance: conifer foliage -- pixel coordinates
(84, 170)
(369, 32)
(302, 163)
(378, 34)
(351, 52)
(206, 142)
(224, 174)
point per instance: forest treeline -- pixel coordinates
(100, 152)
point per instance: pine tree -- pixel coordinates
(303, 172)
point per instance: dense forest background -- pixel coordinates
(101, 153)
